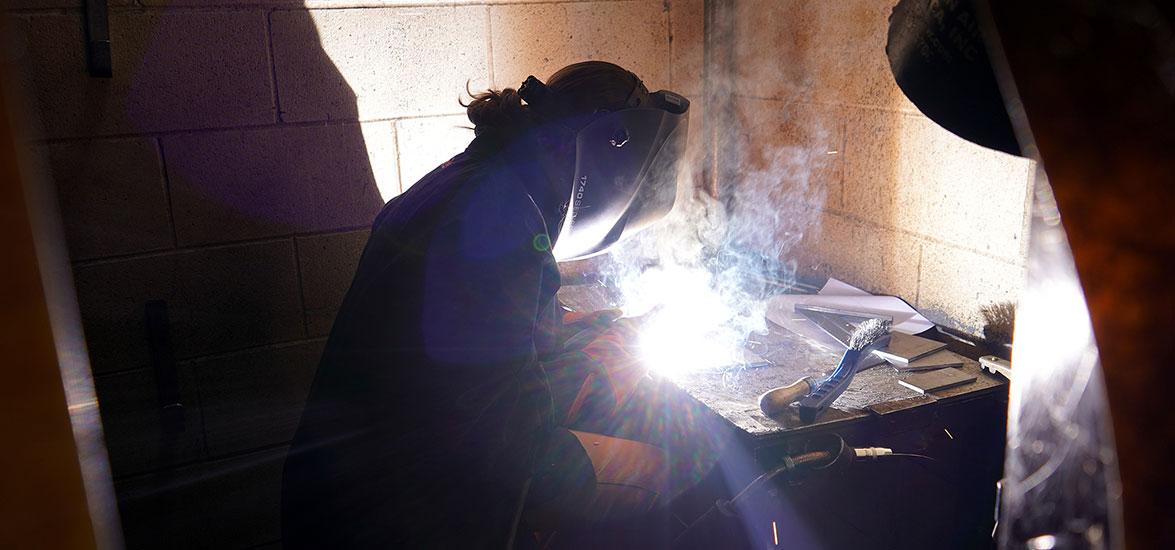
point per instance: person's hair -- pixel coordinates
(578, 89)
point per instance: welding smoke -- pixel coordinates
(703, 275)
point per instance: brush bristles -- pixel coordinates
(999, 320)
(868, 332)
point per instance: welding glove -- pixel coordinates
(615, 370)
(580, 328)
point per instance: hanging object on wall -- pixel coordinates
(938, 57)
(98, 56)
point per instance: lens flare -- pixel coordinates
(689, 321)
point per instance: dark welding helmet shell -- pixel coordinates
(626, 170)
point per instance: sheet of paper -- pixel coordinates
(837, 294)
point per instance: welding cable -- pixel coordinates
(789, 463)
(697, 530)
(815, 459)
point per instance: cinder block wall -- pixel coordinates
(898, 205)
(231, 167)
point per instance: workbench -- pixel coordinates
(947, 500)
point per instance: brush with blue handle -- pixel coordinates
(816, 395)
(870, 335)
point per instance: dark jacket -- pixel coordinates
(430, 403)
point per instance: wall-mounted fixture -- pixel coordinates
(98, 62)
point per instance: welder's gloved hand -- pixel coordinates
(580, 328)
(615, 370)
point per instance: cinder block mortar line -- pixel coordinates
(266, 544)
(399, 164)
(489, 48)
(668, 7)
(1029, 199)
(918, 277)
(245, 128)
(314, 5)
(286, 344)
(277, 105)
(301, 288)
(844, 144)
(167, 192)
(139, 7)
(799, 98)
(172, 468)
(24, 13)
(204, 448)
(81, 264)
(192, 361)
(928, 238)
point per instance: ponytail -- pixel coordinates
(498, 112)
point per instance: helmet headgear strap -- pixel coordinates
(534, 92)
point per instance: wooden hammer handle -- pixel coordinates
(775, 401)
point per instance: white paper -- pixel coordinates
(837, 294)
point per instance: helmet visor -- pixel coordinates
(626, 171)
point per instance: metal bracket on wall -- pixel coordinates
(98, 62)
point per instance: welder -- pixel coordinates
(437, 415)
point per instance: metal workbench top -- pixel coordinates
(733, 393)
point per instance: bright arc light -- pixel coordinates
(690, 325)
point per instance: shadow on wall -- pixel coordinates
(179, 179)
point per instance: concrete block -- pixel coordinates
(172, 70)
(233, 503)
(41, 4)
(12, 5)
(218, 299)
(327, 264)
(542, 38)
(870, 257)
(425, 143)
(380, 140)
(686, 20)
(793, 149)
(243, 184)
(241, 499)
(906, 172)
(771, 47)
(162, 510)
(136, 438)
(816, 51)
(955, 283)
(377, 63)
(112, 196)
(254, 399)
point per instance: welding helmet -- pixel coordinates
(626, 167)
